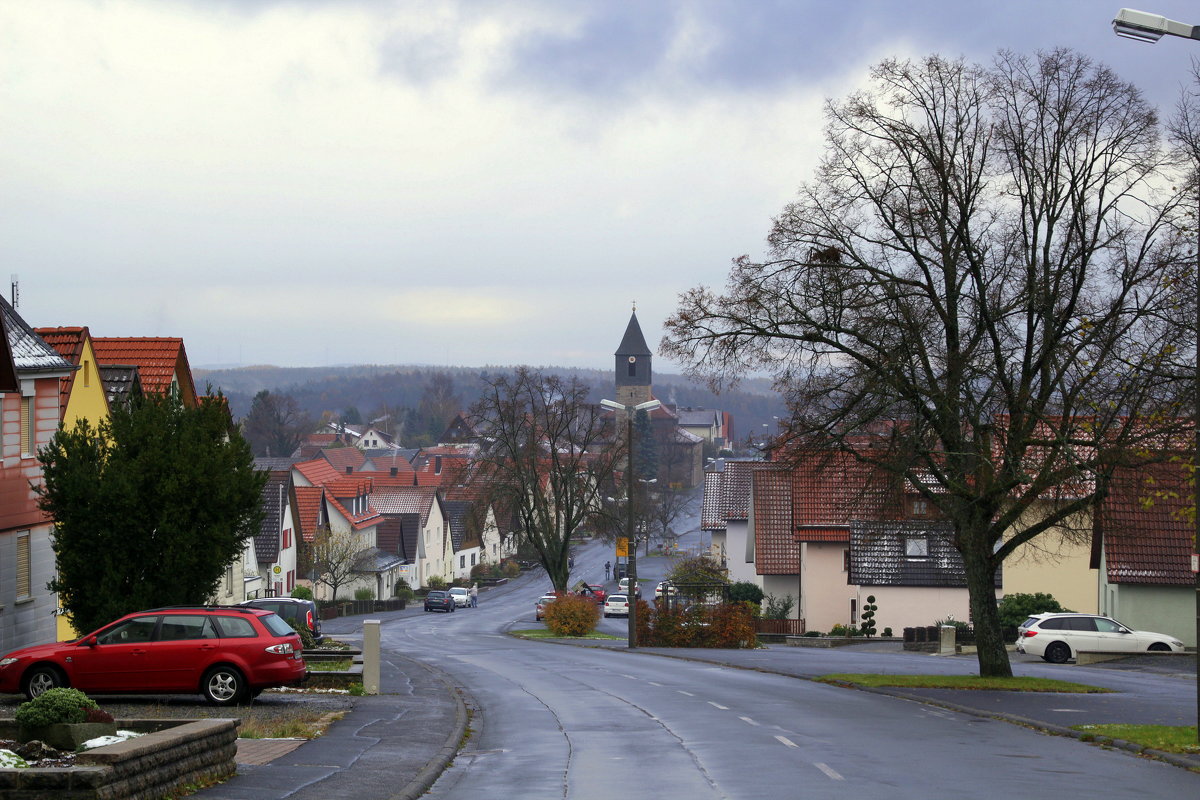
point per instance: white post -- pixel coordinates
(371, 656)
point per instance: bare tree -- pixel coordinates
(332, 556)
(542, 459)
(976, 295)
(275, 424)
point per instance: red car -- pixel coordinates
(226, 653)
(597, 591)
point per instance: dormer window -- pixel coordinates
(916, 547)
(920, 508)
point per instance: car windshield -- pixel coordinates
(436, 594)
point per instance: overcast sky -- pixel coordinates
(312, 182)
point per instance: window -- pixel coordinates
(920, 508)
(472, 559)
(462, 562)
(176, 627)
(131, 631)
(27, 427)
(236, 628)
(229, 580)
(24, 567)
(287, 538)
(87, 373)
(291, 580)
(916, 547)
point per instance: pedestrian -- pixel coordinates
(607, 569)
(474, 595)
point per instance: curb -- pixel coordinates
(433, 770)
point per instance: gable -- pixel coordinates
(1144, 529)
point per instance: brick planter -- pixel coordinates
(172, 754)
(68, 737)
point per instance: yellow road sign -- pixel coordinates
(623, 547)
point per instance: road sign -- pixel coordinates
(622, 547)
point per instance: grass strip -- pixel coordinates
(1014, 684)
(1168, 738)
(543, 633)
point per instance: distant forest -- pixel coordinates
(364, 393)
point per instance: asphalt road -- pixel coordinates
(604, 722)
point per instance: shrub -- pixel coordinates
(403, 590)
(307, 640)
(778, 607)
(302, 593)
(843, 630)
(867, 626)
(97, 715)
(436, 582)
(481, 570)
(745, 591)
(510, 568)
(54, 706)
(572, 615)
(364, 593)
(887, 632)
(1014, 608)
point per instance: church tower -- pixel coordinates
(633, 366)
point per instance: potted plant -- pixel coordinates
(63, 718)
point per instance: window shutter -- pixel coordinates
(24, 566)
(26, 426)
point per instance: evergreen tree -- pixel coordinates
(150, 507)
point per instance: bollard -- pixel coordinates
(946, 644)
(371, 654)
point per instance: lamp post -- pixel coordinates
(631, 485)
(1149, 28)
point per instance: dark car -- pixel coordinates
(227, 653)
(291, 609)
(438, 600)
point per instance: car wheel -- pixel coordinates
(40, 679)
(223, 686)
(1160, 647)
(1057, 653)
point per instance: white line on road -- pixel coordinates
(718, 705)
(787, 741)
(748, 721)
(652, 683)
(681, 691)
(832, 773)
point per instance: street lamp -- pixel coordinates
(631, 484)
(1149, 28)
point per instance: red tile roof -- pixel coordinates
(775, 550)
(1146, 535)
(318, 472)
(343, 457)
(68, 341)
(308, 510)
(158, 359)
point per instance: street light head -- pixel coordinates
(647, 406)
(613, 404)
(1139, 26)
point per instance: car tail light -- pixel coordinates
(1027, 634)
(308, 620)
(284, 649)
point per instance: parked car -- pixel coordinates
(1059, 637)
(229, 654)
(291, 608)
(623, 587)
(664, 589)
(539, 609)
(616, 605)
(439, 600)
(597, 591)
(461, 595)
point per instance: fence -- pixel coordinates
(789, 627)
(353, 608)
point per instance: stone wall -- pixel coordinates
(173, 753)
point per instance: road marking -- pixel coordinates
(631, 677)
(833, 775)
(787, 741)
(652, 683)
(718, 705)
(1070, 710)
(748, 721)
(681, 691)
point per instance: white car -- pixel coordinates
(623, 587)
(1057, 638)
(539, 608)
(664, 589)
(616, 605)
(461, 595)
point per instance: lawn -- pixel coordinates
(1168, 738)
(1014, 684)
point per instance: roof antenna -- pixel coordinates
(16, 291)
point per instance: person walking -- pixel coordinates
(607, 569)
(474, 595)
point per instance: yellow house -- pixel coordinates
(82, 396)
(82, 392)
(1058, 563)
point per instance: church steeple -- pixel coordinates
(633, 365)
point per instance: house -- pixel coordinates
(83, 392)
(417, 528)
(707, 423)
(913, 571)
(271, 558)
(1142, 551)
(161, 362)
(31, 375)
